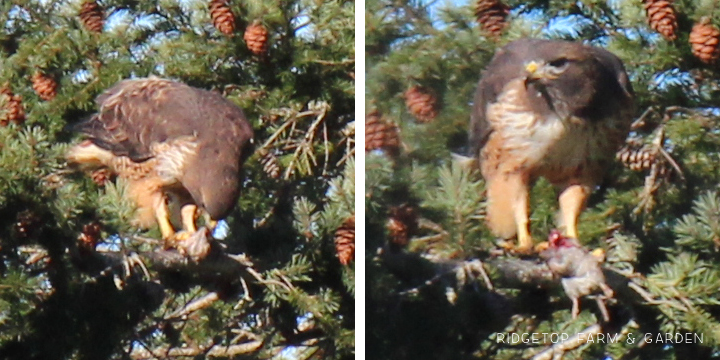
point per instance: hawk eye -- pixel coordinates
(559, 63)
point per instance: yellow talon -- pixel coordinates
(599, 254)
(542, 246)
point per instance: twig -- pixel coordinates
(307, 141)
(195, 305)
(557, 350)
(211, 351)
(478, 266)
(651, 300)
(640, 122)
(335, 63)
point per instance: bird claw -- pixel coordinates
(194, 245)
(520, 249)
(542, 247)
(177, 238)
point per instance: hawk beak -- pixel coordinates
(532, 67)
(537, 71)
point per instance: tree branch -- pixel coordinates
(573, 342)
(212, 351)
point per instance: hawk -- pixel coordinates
(555, 109)
(179, 148)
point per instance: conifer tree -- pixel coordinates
(78, 281)
(439, 287)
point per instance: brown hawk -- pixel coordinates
(178, 147)
(555, 109)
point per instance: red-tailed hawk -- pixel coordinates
(173, 144)
(547, 108)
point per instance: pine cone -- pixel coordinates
(662, 18)
(90, 236)
(101, 176)
(380, 134)
(256, 38)
(11, 107)
(222, 16)
(92, 16)
(704, 39)
(345, 241)
(270, 164)
(491, 15)
(26, 224)
(637, 158)
(422, 103)
(402, 224)
(44, 86)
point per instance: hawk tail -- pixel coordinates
(500, 209)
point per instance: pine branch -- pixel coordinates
(557, 350)
(211, 351)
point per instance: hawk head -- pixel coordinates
(572, 79)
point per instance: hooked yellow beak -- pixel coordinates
(537, 71)
(532, 67)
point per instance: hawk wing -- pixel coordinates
(135, 114)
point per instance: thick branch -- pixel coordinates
(572, 343)
(214, 351)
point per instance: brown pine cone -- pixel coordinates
(705, 38)
(101, 176)
(90, 236)
(11, 107)
(492, 14)
(662, 18)
(422, 103)
(402, 224)
(270, 164)
(380, 134)
(345, 241)
(222, 16)
(92, 16)
(26, 224)
(44, 86)
(256, 38)
(637, 158)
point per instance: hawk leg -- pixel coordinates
(188, 213)
(508, 209)
(163, 218)
(521, 203)
(572, 201)
(210, 224)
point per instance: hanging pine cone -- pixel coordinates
(345, 241)
(44, 86)
(662, 18)
(422, 103)
(402, 224)
(90, 236)
(380, 134)
(270, 164)
(222, 16)
(491, 15)
(637, 158)
(92, 16)
(26, 224)
(256, 38)
(11, 107)
(101, 176)
(705, 38)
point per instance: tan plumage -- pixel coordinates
(546, 108)
(173, 143)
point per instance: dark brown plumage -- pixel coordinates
(173, 143)
(547, 108)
